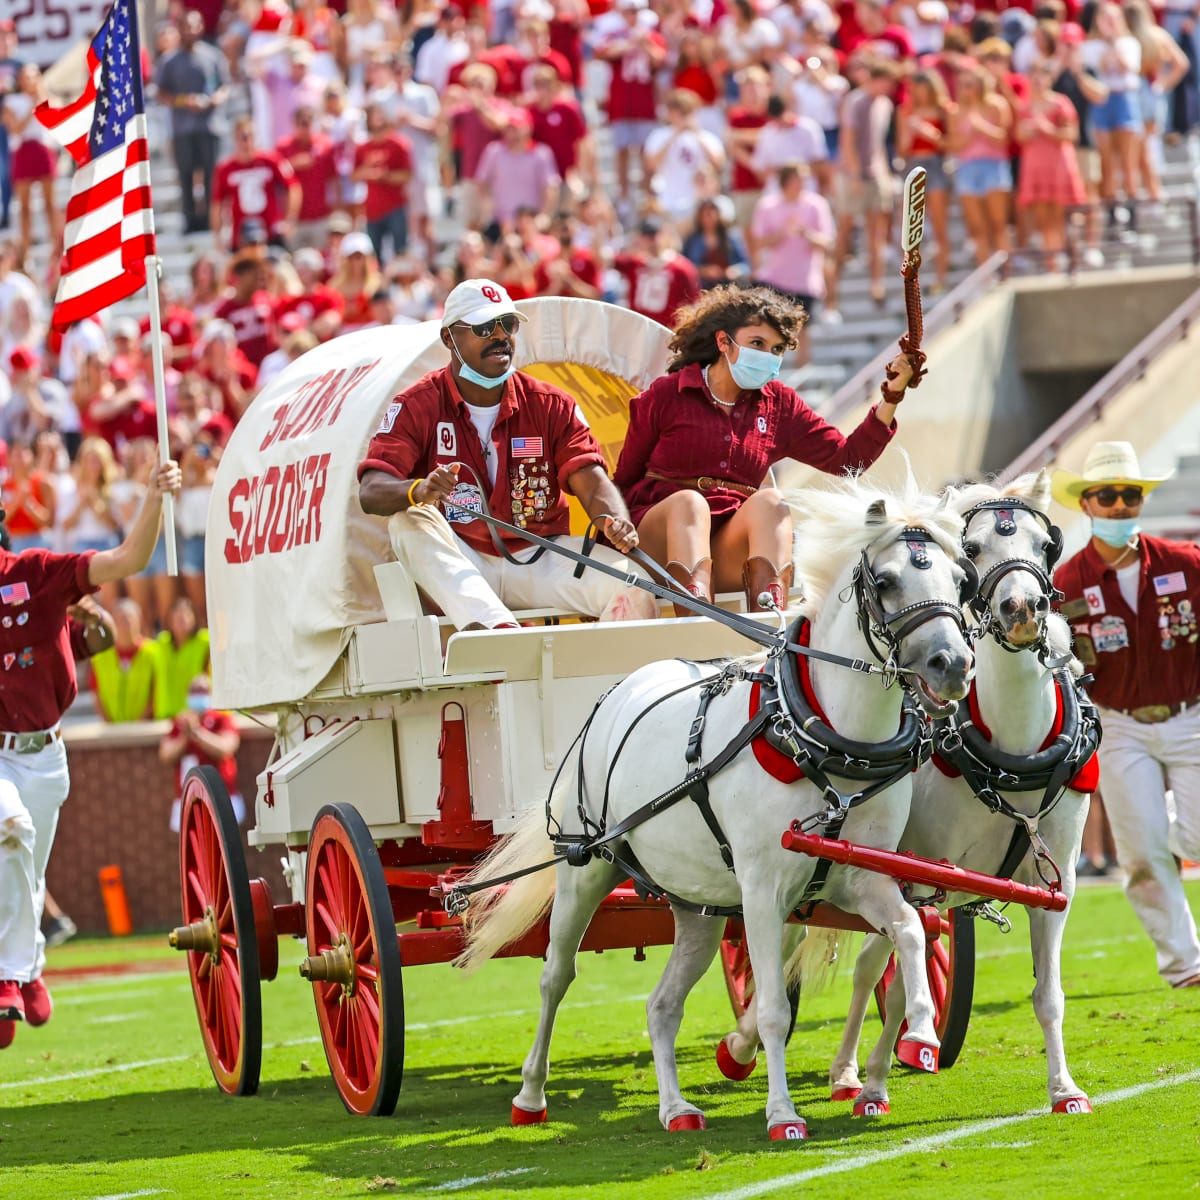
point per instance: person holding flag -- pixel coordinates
(109, 254)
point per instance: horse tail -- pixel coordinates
(815, 961)
(500, 915)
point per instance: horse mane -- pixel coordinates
(1033, 488)
(833, 525)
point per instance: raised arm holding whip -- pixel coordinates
(912, 231)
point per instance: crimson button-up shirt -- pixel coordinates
(676, 430)
(37, 665)
(540, 438)
(1143, 658)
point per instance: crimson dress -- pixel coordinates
(1049, 168)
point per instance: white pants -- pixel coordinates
(470, 587)
(1138, 763)
(32, 790)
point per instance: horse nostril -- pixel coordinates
(1043, 604)
(940, 661)
(1009, 606)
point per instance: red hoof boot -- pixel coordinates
(522, 1116)
(789, 1131)
(845, 1093)
(686, 1122)
(1075, 1104)
(38, 1005)
(12, 1006)
(8, 1031)
(919, 1055)
(872, 1108)
(730, 1067)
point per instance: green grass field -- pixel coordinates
(114, 1097)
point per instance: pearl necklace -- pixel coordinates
(711, 394)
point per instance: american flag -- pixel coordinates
(527, 447)
(110, 217)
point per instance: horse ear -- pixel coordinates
(1039, 495)
(877, 513)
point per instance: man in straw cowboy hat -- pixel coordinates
(1133, 602)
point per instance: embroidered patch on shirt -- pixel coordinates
(1073, 609)
(1109, 634)
(1168, 585)
(1095, 600)
(527, 447)
(14, 593)
(447, 439)
(465, 495)
(389, 417)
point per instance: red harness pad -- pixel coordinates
(1086, 779)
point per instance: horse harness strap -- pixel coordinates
(987, 770)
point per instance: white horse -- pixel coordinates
(1024, 688)
(899, 559)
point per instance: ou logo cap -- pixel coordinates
(476, 301)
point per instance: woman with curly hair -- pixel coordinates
(702, 439)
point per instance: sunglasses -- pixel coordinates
(1107, 497)
(508, 324)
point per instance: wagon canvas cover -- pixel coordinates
(289, 552)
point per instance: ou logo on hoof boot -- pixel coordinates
(920, 1055)
(872, 1108)
(790, 1131)
(1075, 1105)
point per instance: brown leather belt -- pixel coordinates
(1155, 714)
(705, 483)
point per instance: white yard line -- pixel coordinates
(936, 1141)
(130, 1195)
(468, 1180)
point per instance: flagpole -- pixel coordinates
(160, 406)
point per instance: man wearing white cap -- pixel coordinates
(489, 439)
(1133, 602)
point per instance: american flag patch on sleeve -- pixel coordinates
(527, 447)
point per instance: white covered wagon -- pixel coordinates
(402, 747)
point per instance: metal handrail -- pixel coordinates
(863, 385)
(1084, 411)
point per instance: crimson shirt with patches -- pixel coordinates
(433, 429)
(36, 696)
(675, 430)
(1142, 673)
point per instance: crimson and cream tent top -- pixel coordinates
(289, 552)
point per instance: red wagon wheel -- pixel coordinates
(951, 971)
(354, 962)
(218, 933)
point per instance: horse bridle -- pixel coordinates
(1006, 526)
(890, 629)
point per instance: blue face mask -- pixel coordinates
(1115, 532)
(754, 369)
(476, 377)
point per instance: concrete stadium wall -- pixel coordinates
(1018, 358)
(118, 812)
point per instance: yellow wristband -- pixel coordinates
(412, 487)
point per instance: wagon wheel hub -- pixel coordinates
(201, 936)
(335, 965)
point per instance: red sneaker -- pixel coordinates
(8, 1031)
(12, 1006)
(38, 1005)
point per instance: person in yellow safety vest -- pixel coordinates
(125, 675)
(182, 656)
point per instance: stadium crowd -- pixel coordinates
(324, 151)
